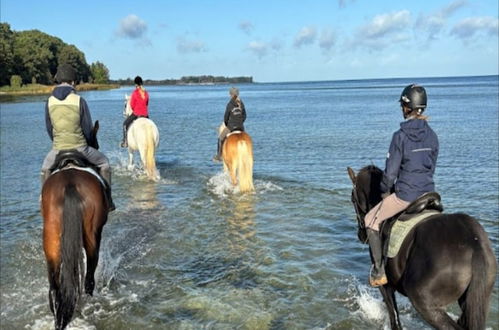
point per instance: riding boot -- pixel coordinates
(106, 175)
(377, 276)
(218, 157)
(124, 143)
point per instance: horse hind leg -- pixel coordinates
(92, 252)
(437, 317)
(130, 159)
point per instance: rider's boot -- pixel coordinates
(377, 276)
(218, 156)
(106, 175)
(124, 144)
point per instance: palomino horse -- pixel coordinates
(143, 135)
(237, 156)
(74, 209)
(444, 259)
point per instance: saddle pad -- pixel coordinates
(86, 169)
(233, 132)
(400, 230)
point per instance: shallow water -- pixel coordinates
(190, 252)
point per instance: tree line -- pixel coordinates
(205, 79)
(30, 57)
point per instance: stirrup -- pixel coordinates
(376, 281)
(124, 144)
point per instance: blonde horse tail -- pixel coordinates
(149, 159)
(244, 163)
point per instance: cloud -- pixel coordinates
(246, 26)
(433, 23)
(327, 39)
(383, 25)
(383, 30)
(185, 46)
(260, 49)
(132, 27)
(306, 36)
(467, 28)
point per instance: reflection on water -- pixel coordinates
(144, 195)
(241, 221)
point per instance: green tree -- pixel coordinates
(35, 55)
(15, 81)
(99, 72)
(6, 53)
(69, 54)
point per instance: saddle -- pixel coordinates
(72, 158)
(428, 201)
(396, 229)
(232, 133)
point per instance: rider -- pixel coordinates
(235, 115)
(69, 126)
(139, 101)
(410, 165)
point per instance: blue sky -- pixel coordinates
(273, 41)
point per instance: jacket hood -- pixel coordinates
(62, 91)
(415, 129)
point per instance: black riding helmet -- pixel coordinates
(65, 73)
(414, 97)
(138, 81)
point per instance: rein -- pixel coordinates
(361, 233)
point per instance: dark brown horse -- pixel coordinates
(74, 209)
(445, 259)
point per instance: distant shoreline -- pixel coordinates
(38, 89)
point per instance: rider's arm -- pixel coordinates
(48, 122)
(393, 161)
(243, 110)
(227, 113)
(85, 120)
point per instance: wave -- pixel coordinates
(220, 185)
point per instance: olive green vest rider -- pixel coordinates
(65, 118)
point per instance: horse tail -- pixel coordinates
(71, 270)
(245, 163)
(476, 303)
(150, 148)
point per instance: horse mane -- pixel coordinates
(369, 180)
(370, 169)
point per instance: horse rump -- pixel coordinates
(67, 277)
(475, 301)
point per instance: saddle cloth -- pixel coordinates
(85, 169)
(233, 132)
(400, 230)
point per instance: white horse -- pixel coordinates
(143, 135)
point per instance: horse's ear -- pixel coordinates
(96, 126)
(351, 174)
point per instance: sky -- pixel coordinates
(272, 40)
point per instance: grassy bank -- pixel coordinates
(37, 89)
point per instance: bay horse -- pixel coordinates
(237, 157)
(143, 136)
(444, 259)
(74, 209)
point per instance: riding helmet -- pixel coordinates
(138, 81)
(414, 97)
(234, 91)
(65, 73)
